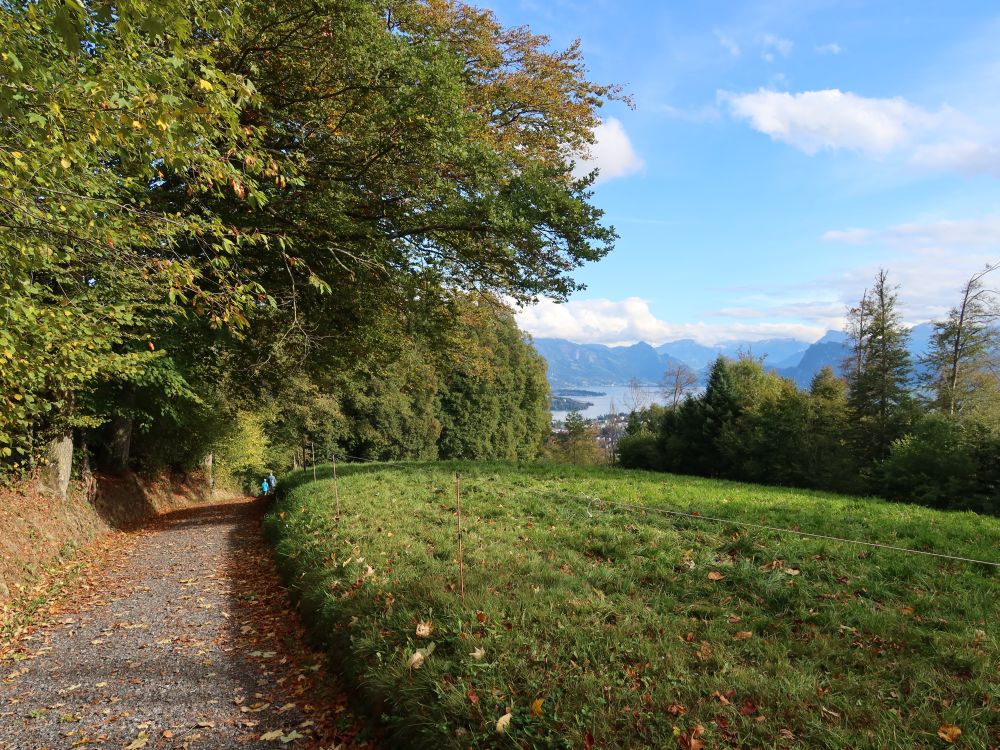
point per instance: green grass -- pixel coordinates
(609, 616)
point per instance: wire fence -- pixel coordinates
(601, 504)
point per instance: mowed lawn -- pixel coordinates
(598, 626)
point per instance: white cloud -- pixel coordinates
(606, 321)
(930, 261)
(832, 119)
(828, 49)
(968, 157)
(771, 45)
(954, 234)
(728, 43)
(612, 153)
(852, 236)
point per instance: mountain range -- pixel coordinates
(572, 364)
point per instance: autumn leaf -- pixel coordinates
(792, 571)
(676, 709)
(424, 629)
(743, 635)
(143, 739)
(478, 654)
(268, 736)
(949, 733)
(416, 660)
(722, 699)
(536, 707)
(472, 696)
(715, 576)
(503, 723)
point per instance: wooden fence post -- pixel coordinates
(461, 560)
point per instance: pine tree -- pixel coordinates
(878, 371)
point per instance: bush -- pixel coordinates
(640, 451)
(930, 465)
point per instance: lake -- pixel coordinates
(602, 404)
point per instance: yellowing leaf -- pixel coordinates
(143, 739)
(949, 732)
(268, 736)
(715, 576)
(792, 571)
(478, 654)
(503, 723)
(66, 163)
(536, 706)
(204, 85)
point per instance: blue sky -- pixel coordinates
(778, 154)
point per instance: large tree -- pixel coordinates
(878, 370)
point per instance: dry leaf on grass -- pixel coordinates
(949, 732)
(715, 576)
(503, 723)
(536, 707)
(424, 629)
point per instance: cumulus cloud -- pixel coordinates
(612, 153)
(606, 321)
(832, 119)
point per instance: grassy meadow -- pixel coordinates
(593, 626)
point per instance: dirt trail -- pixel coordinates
(187, 642)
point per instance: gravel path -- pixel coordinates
(186, 643)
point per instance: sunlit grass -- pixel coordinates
(611, 618)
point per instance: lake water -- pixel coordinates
(602, 404)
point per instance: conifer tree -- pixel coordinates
(878, 371)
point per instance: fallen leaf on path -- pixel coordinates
(268, 736)
(143, 739)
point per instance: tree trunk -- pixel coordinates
(209, 464)
(58, 465)
(121, 443)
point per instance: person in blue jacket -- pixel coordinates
(271, 481)
(265, 488)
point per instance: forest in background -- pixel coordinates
(235, 232)
(929, 434)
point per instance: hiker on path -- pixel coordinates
(265, 488)
(272, 481)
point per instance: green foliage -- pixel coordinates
(639, 450)
(240, 453)
(576, 444)
(878, 372)
(932, 464)
(607, 615)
